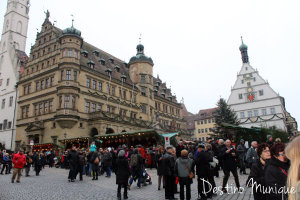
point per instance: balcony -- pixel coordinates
(66, 117)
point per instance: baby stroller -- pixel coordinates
(146, 178)
(57, 162)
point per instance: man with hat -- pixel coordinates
(168, 161)
(19, 161)
(202, 170)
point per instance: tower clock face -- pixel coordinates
(250, 97)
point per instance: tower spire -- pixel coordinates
(244, 51)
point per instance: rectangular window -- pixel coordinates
(240, 96)
(3, 104)
(107, 108)
(261, 92)
(36, 109)
(255, 113)
(143, 79)
(94, 85)
(124, 95)
(11, 101)
(87, 107)
(67, 101)
(47, 83)
(112, 109)
(209, 121)
(98, 107)
(113, 90)
(0, 127)
(37, 86)
(4, 124)
(75, 75)
(120, 93)
(88, 83)
(143, 107)
(51, 81)
(198, 122)
(7, 82)
(29, 88)
(143, 91)
(69, 53)
(60, 102)
(50, 106)
(273, 111)
(99, 86)
(24, 89)
(68, 75)
(242, 114)
(46, 107)
(202, 130)
(205, 121)
(264, 112)
(206, 130)
(249, 113)
(93, 107)
(40, 108)
(23, 113)
(199, 131)
(42, 84)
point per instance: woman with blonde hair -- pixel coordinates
(293, 181)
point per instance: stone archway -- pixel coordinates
(109, 131)
(93, 132)
(123, 131)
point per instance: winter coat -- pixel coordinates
(202, 163)
(139, 166)
(93, 158)
(73, 157)
(107, 159)
(257, 178)
(168, 164)
(241, 151)
(19, 160)
(82, 160)
(275, 177)
(38, 160)
(122, 170)
(251, 155)
(228, 159)
(159, 164)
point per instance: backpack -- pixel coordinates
(96, 161)
(134, 160)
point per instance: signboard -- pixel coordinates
(167, 141)
(167, 137)
(31, 142)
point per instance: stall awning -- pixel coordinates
(141, 132)
(73, 139)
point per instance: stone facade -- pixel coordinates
(72, 89)
(12, 57)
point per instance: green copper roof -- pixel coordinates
(71, 31)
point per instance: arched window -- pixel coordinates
(19, 27)
(109, 131)
(7, 25)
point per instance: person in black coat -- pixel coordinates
(38, 163)
(202, 170)
(159, 167)
(169, 172)
(95, 165)
(276, 173)
(73, 163)
(257, 173)
(122, 173)
(228, 156)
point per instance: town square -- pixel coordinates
(149, 100)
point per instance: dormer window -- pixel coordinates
(102, 61)
(111, 60)
(155, 91)
(117, 68)
(158, 83)
(85, 53)
(123, 77)
(91, 64)
(125, 64)
(96, 52)
(163, 94)
(170, 97)
(164, 89)
(108, 71)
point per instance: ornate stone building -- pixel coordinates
(73, 90)
(12, 57)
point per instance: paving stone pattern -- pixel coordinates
(52, 184)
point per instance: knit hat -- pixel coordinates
(121, 153)
(268, 137)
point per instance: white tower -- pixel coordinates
(12, 54)
(255, 103)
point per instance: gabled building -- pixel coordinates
(71, 91)
(12, 59)
(255, 103)
(205, 124)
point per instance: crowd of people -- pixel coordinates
(274, 167)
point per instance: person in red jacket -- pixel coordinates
(19, 161)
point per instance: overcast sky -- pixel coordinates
(194, 44)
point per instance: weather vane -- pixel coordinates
(72, 19)
(140, 38)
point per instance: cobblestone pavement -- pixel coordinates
(52, 184)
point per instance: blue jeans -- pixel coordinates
(135, 175)
(108, 171)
